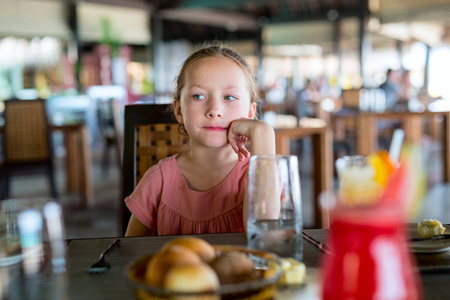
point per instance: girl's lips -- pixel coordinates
(216, 128)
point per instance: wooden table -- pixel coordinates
(322, 157)
(82, 253)
(412, 123)
(78, 160)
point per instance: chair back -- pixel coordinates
(27, 145)
(26, 132)
(150, 134)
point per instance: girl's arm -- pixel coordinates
(136, 228)
(262, 141)
(260, 134)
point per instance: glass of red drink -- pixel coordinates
(370, 258)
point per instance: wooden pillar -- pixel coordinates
(337, 48)
(363, 20)
(400, 53)
(426, 71)
(259, 55)
(157, 51)
(72, 20)
(446, 146)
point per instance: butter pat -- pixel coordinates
(293, 271)
(428, 228)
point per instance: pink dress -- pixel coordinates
(163, 202)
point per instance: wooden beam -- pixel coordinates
(142, 4)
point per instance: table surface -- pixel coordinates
(113, 285)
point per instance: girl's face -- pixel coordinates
(215, 93)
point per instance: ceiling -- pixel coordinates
(425, 20)
(242, 19)
(282, 21)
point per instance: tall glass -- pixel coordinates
(370, 259)
(274, 210)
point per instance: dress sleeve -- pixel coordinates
(144, 201)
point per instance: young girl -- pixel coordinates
(202, 190)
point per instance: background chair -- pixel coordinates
(150, 134)
(27, 145)
(110, 128)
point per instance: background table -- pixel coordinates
(78, 160)
(322, 157)
(412, 123)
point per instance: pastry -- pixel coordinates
(293, 271)
(428, 228)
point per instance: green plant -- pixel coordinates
(110, 38)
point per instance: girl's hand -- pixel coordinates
(260, 134)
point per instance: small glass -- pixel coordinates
(32, 240)
(274, 208)
(29, 222)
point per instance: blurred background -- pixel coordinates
(78, 54)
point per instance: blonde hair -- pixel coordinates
(222, 51)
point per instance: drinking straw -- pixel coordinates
(396, 145)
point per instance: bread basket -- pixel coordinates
(260, 289)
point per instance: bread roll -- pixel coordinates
(233, 267)
(191, 278)
(159, 265)
(199, 246)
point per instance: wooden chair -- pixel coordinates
(150, 134)
(27, 145)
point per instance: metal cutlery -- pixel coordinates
(101, 266)
(322, 246)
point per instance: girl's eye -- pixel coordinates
(230, 98)
(199, 97)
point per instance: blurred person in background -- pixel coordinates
(408, 91)
(392, 88)
(308, 99)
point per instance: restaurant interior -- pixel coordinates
(323, 69)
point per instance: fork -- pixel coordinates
(101, 266)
